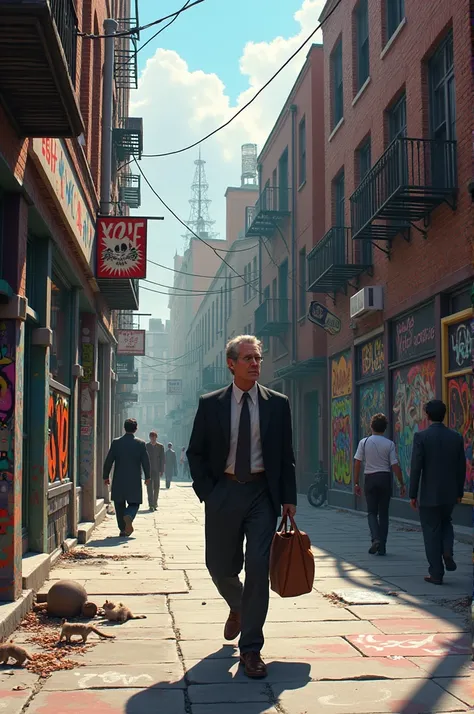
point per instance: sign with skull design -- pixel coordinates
(121, 247)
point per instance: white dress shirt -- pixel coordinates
(256, 456)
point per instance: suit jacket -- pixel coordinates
(210, 439)
(157, 457)
(171, 465)
(130, 456)
(439, 461)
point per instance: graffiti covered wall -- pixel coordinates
(412, 387)
(58, 437)
(341, 421)
(460, 418)
(371, 401)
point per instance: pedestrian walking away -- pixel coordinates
(129, 455)
(243, 468)
(156, 454)
(171, 465)
(437, 475)
(378, 454)
(184, 466)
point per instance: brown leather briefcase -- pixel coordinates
(291, 561)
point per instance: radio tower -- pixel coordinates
(199, 220)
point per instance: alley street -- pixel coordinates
(402, 646)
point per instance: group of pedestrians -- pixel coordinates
(242, 466)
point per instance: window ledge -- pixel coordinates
(361, 91)
(390, 42)
(302, 185)
(336, 129)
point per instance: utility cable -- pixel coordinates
(136, 30)
(162, 29)
(193, 291)
(257, 94)
(153, 190)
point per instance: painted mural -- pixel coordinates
(371, 401)
(412, 386)
(58, 437)
(460, 419)
(341, 421)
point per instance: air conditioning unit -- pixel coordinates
(367, 300)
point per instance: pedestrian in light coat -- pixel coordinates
(129, 456)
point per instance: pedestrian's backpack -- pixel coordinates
(291, 561)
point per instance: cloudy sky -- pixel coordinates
(193, 77)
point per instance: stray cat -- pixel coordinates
(69, 629)
(8, 649)
(119, 613)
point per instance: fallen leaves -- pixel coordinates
(45, 663)
(334, 599)
(84, 554)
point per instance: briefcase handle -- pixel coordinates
(283, 527)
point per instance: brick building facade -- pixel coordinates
(398, 145)
(56, 331)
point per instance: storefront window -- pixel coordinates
(60, 325)
(413, 378)
(341, 422)
(458, 384)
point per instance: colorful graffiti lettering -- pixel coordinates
(371, 401)
(341, 376)
(7, 405)
(413, 386)
(341, 430)
(58, 440)
(372, 358)
(460, 346)
(460, 419)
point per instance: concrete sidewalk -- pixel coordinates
(386, 642)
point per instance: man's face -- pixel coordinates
(153, 438)
(247, 366)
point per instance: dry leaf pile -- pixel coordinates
(334, 599)
(82, 555)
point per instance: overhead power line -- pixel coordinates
(135, 30)
(162, 29)
(175, 215)
(194, 275)
(257, 94)
(192, 291)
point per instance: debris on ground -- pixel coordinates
(78, 555)
(408, 529)
(334, 599)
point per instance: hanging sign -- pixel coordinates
(320, 315)
(131, 342)
(174, 386)
(121, 247)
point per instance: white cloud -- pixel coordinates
(179, 107)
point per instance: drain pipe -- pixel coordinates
(110, 28)
(294, 293)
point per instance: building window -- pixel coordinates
(255, 275)
(443, 105)
(397, 119)
(221, 310)
(265, 338)
(395, 12)
(364, 159)
(337, 84)
(213, 323)
(302, 282)
(339, 205)
(362, 35)
(60, 326)
(302, 150)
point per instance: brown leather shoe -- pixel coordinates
(255, 667)
(128, 530)
(433, 581)
(232, 626)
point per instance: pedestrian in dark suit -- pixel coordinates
(171, 465)
(130, 456)
(243, 468)
(439, 462)
(156, 454)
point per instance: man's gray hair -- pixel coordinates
(232, 349)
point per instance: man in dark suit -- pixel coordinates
(171, 465)
(156, 454)
(130, 456)
(243, 468)
(439, 461)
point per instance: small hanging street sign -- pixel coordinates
(130, 342)
(320, 315)
(121, 247)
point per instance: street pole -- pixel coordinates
(110, 28)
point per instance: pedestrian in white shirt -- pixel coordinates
(380, 458)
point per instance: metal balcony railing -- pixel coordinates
(128, 139)
(64, 14)
(407, 183)
(272, 317)
(336, 260)
(130, 190)
(271, 207)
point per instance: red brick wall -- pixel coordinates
(422, 266)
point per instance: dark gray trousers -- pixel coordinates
(378, 490)
(153, 489)
(438, 535)
(235, 511)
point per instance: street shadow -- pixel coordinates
(215, 670)
(448, 667)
